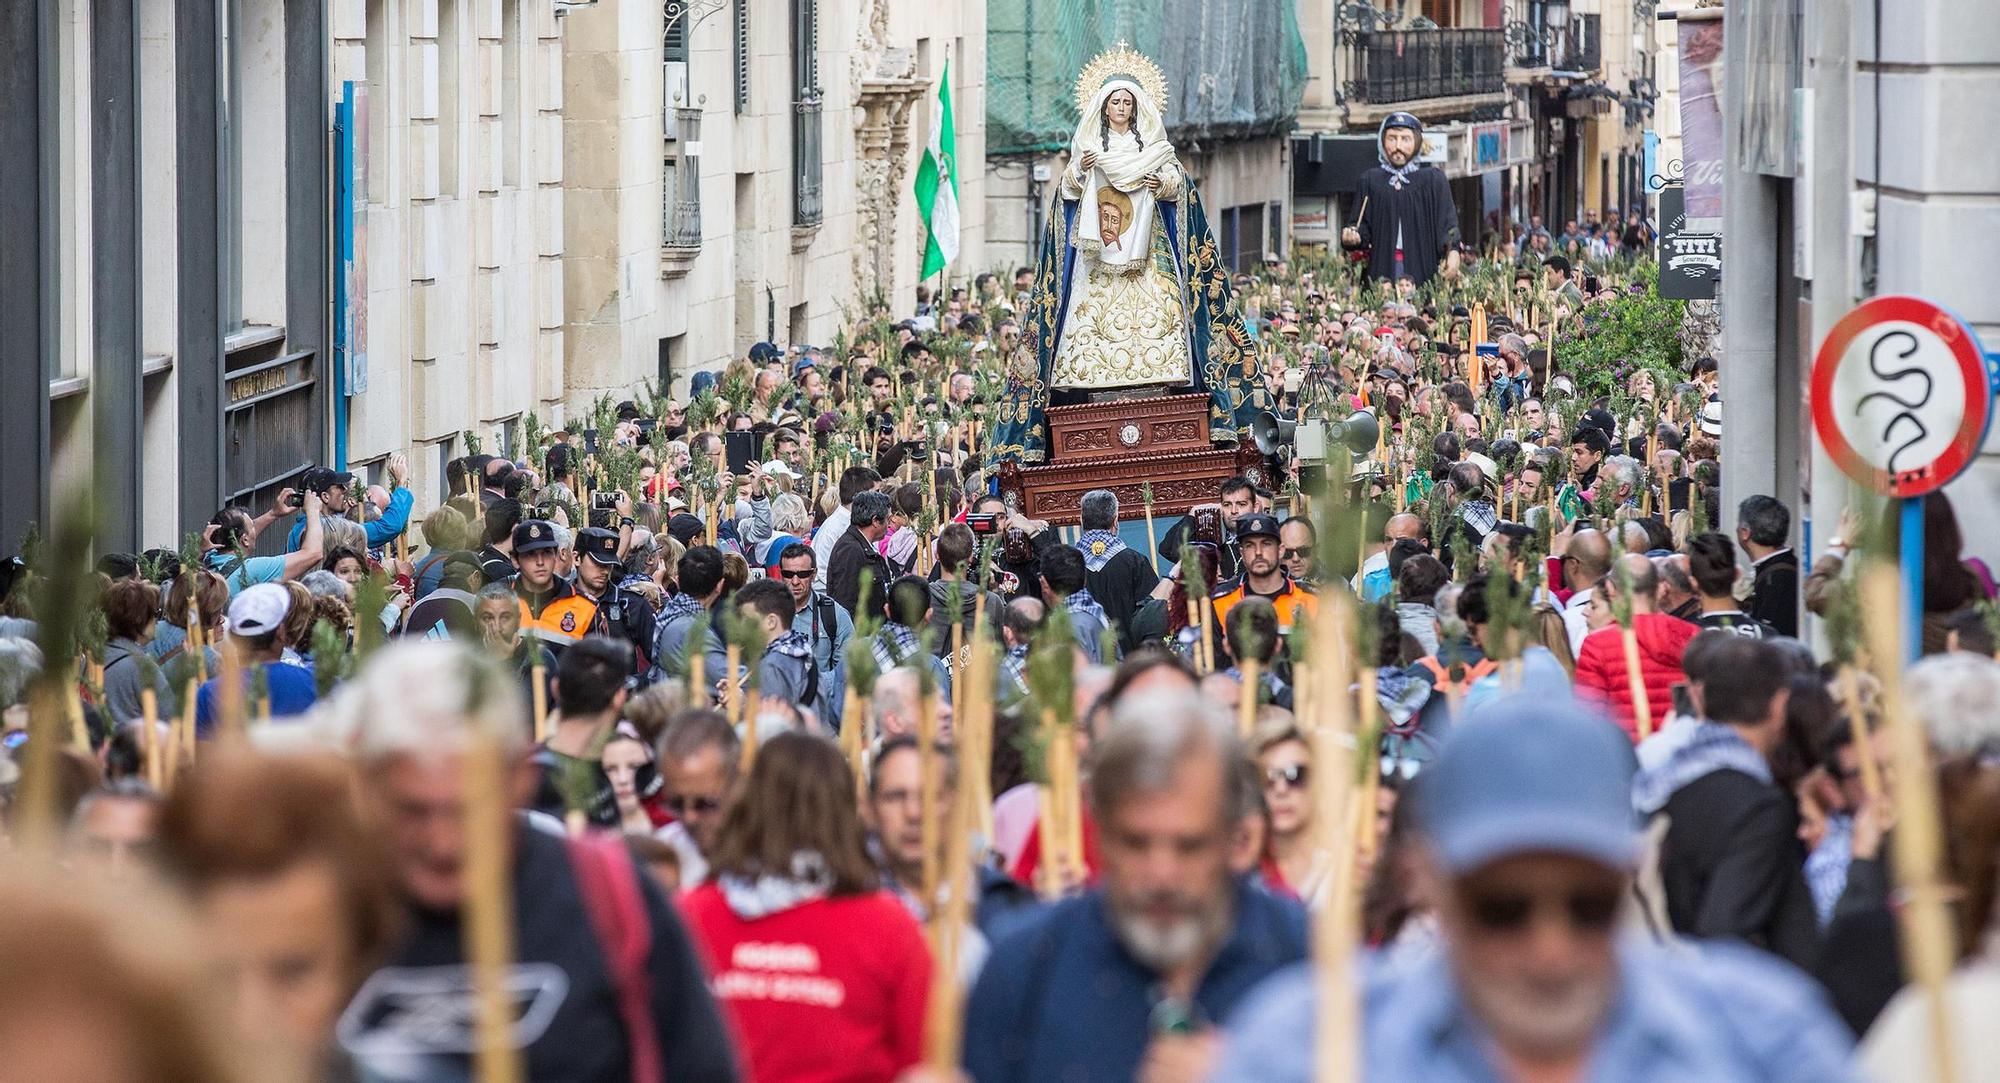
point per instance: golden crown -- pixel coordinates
(1120, 62)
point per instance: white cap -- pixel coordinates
(259, 609)
(777, 468)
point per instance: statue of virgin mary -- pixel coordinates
(1128, 293)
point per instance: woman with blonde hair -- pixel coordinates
(1295, 860)
(1550, 632)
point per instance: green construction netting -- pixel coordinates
(1233, 67)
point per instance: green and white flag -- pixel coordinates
(937, 184)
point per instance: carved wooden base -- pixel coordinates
(1160, 424)
(1180, 480)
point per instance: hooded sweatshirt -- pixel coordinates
(816, 987)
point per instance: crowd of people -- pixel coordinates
(1622, 822)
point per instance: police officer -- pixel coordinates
(622, 613)
(551, 609)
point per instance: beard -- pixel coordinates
(1542, 1016)
(1397, 158)
(1194, 927)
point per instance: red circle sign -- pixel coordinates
(1901, 395)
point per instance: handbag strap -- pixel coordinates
(608, 881)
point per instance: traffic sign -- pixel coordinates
(1902, 394)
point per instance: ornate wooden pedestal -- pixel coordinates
(1121, 445)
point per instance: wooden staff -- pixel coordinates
(1246, 700)
(197, 639)
(1857, 725)
(944, 1015)
(1371, 773)
(1152, 539)
(229, 693)
(538, 691)
(489, 927)
(1925, 917)
(930, 774)
(40, 787)
(183, 737)
(697, 677)
(149, 738)
(1336, 923)
(1642, 711)
(733, 696)
(854, 744)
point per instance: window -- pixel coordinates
(676, 43)
(740, 47)
(1274, 229)
(807, 121)
(510, 93)
(448, 71)
(444, 456)
(670, 348)
(680, 180)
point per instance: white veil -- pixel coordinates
(1125, 165)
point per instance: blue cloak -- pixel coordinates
(1224, 360)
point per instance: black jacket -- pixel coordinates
(1228, 564)
(852, 555)
(563, 980)
(627, 615)
(1774, 594)
(1733, 867)
(1121, 587)
(1424, 210)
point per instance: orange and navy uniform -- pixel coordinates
(559, 618)
(1294, 603)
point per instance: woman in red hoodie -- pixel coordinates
(1601, 676)
(822, 973)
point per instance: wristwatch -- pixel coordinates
(628, 521)
(1838, 543)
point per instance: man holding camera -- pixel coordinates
(1236, 499)
(230, 536)
(333, 487)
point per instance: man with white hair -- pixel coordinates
(1127, 980)
(412, 718)
(1957, 698)
(1118, 576)
(894, 711)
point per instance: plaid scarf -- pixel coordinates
(676, 607)
(1015, 662)
(1098, 547)
(1400, 177)
(895, 644)
(1082, 602)
(793, 643)
(1710, 748)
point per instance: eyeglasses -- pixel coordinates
(1503, 913)
(681, 806)
(796, 573)
(1290, 776)
(1295, 554)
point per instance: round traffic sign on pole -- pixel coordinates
(1902, 394)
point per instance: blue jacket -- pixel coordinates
(381, 531)
(1060, 999)
(1727, 1014)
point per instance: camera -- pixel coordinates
(1016, 547)
(603, 500)
(296, 500)
(983, 525)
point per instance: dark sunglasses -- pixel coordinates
(797, 573)
(1507, 913)
(1296, 554)
(1290, 776)
(683, 805)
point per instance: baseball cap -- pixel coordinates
(1532, 773)
(764, 351)
(259, 609)
(598, 544)
(1257, 523)
(1601, 420)
(319, 479)
(533, 536)
(778, 469)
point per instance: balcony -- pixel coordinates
(1394, 67)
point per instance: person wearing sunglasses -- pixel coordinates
(1294, 863)
(700, 760)
(1530, 845)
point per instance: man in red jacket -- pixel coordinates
(1600, 667)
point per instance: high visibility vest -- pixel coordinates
(562, 621)
(1294, 603)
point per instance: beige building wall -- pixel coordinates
(464, 224)
(639, 300)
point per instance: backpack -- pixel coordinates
(609, 883)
